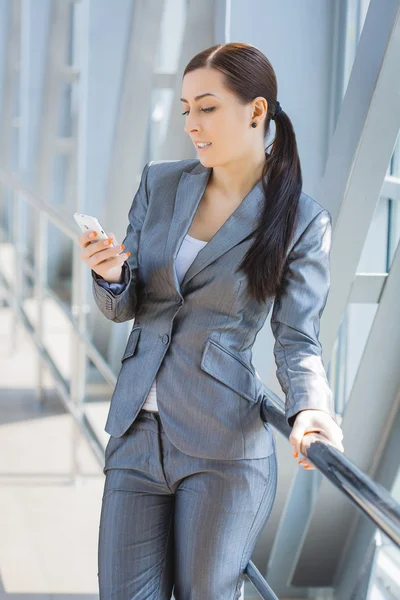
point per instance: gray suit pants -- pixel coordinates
(174, 523)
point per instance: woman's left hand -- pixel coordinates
(314, 425)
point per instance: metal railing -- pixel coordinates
(71, 393)
(372, 499)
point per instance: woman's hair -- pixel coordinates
(248, 74)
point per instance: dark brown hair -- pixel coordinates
(248, 74)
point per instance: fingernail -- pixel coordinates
(92, 234)
(128, 253)
(296, 454)
(122, 246)
(107, 242)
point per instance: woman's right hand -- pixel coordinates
(102, 257)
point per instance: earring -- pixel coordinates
(254, 124)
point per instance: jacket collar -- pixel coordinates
(240, 224)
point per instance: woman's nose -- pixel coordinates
(190, 129)
(190, 126)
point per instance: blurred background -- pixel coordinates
(89, 92)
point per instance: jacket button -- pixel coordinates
(165, 339)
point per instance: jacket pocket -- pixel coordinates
(131, 343)
(229, 369)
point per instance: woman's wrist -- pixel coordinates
(119, 280)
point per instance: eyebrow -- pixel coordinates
(199, 97)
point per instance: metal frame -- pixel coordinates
(81, 341)
(373, 397)
(349, 190)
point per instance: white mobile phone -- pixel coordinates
(90, 223)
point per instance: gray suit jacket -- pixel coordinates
(197, 337)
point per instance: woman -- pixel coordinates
(190, 466)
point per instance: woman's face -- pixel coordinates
(218, 118)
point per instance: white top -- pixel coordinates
(187, 253)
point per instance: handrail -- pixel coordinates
(259, 582)
(368, 496)
(58, 221)
(11, 181)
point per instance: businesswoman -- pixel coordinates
(211, 244)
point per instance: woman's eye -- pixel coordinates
(204, 109)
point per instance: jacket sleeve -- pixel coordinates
(114, 288)
(295, 321)
(117, 301)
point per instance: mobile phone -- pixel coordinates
(90, 223)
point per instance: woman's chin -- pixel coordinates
(206, 160)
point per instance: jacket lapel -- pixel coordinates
(240, 224)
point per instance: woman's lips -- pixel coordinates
(204, 148)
